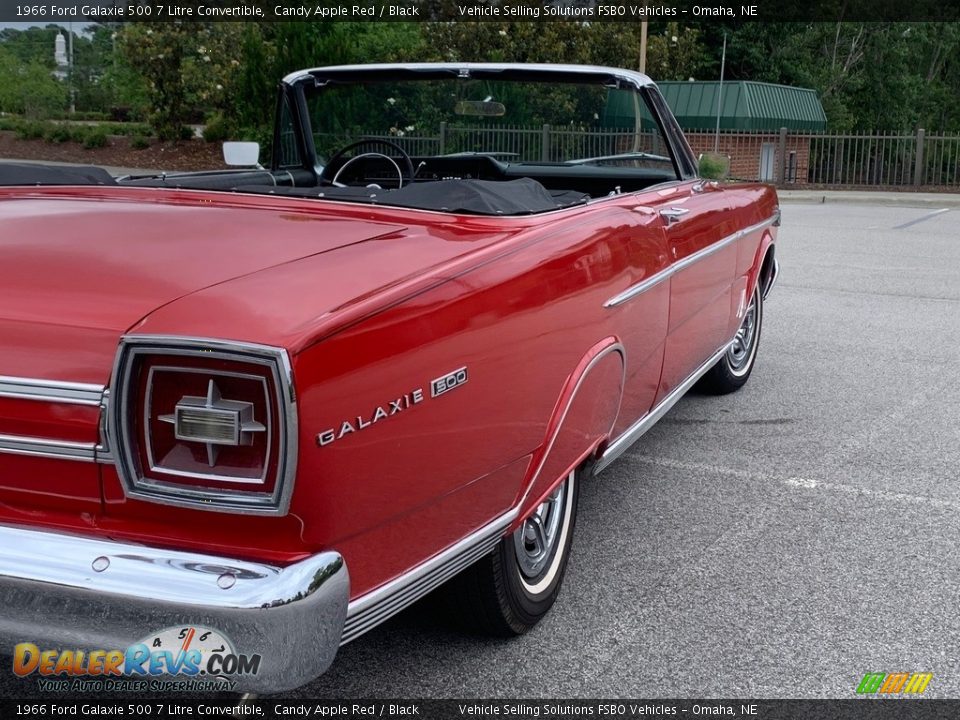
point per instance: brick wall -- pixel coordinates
(745, 150)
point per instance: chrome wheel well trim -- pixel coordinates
(374, 607)
(614, 346)
(768, 277)
(649, 419)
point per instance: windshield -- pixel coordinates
(513, 121)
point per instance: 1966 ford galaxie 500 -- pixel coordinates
(248, 410)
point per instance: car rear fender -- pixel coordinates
(582, 419)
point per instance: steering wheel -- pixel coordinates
(407, 162)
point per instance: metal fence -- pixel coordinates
(795, 159)
(789, 159)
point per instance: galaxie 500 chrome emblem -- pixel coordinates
(438, 386)
(448, 382)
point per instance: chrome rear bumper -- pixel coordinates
(66, 592)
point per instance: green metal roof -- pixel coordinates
(746, 105)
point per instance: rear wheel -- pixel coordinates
(733, 370)
(507, 592)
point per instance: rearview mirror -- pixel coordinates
(241, 154)
(480, 108)
(713, 166)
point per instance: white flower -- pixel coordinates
(206, 58)
(392, 101)
(219, 86)
(503, 33)
(410, 128)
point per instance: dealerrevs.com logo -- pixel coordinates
(177, 658)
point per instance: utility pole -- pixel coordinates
(643, 44)
(723, 62)
(73, 98)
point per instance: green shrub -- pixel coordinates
(10, 122)
(83, 116)
(95, 138)
(218, 129)
(139, 142)
(714, 166)
(31, 130)
(58, 133)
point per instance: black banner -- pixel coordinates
(856, 709)
(623, 11)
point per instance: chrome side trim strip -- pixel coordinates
(43, 447)
(657, 278)
(633, 433)
(53, 391)
(641, 287)
(368, 611)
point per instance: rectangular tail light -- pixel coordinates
(208, 424)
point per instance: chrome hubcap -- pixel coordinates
(738, 356)
(536, 538)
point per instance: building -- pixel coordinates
(752, 115)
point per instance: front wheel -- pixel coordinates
(509, 591)
(733, 369)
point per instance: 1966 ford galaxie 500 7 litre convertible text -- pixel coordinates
(254, 409)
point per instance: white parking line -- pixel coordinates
(921, 219)
(796, 483)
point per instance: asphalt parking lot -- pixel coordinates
(779, 542)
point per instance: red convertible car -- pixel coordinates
(268, 408)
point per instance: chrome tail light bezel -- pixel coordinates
(123, 443)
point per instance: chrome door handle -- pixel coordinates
(674, 214)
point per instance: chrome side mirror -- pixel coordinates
(241, 154)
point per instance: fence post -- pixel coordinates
(545, 143)
(782, 158)
(918, 174)
(443, 138)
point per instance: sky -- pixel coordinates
(23, 25)
(77, 26)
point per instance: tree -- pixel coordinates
(29, 88)
(187, 67)
(869, 76)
